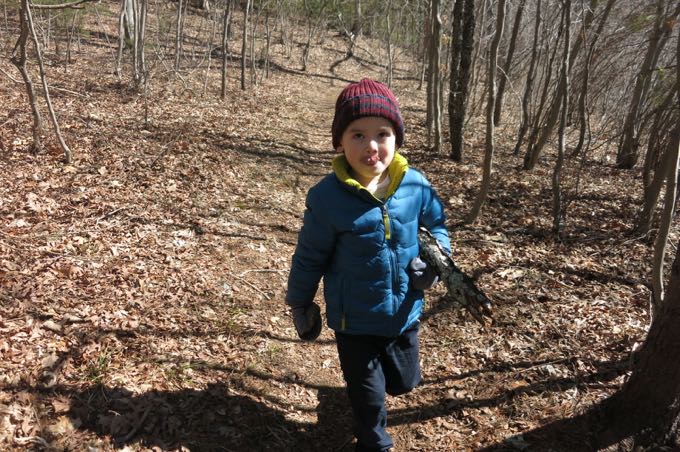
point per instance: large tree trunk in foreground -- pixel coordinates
(646, 411)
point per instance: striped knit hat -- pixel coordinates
(366, 98)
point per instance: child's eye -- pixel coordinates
(358, 136)
(385, 134)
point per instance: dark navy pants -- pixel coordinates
(373, 366)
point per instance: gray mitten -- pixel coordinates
(307, 321)
(422, 275)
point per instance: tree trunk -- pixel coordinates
(645, 413)
(357, 23)
(558, 210)
(647, 408)
(434, 105)
(651, 186)
(491, 103)
(140, 43)
(531, 155)
(461, 68)
(178, 32)
(584, 122)
(268, 41)
(670, 168)
(226, 24)
(244, 45)
(121, 39)
(553, 115)
(19, 60)
(627, 155)
(505, 76)
(253, 32)
(388, 43)
(529, 83)
(43, 77)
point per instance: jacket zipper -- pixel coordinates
(393, 261)
(386, 222)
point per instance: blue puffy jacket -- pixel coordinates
(362, 246)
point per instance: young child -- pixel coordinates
(360, 233)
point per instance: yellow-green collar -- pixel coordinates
(396, 170)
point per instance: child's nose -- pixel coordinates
(373, 146)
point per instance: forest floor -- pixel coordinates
(142, 287)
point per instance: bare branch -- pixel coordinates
(72, 5)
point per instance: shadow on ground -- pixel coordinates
(213, 419)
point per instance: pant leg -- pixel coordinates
(401, 362)
(363, 373)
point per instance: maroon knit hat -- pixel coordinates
(366, 98)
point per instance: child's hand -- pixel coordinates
(422, 275)
(307, 321)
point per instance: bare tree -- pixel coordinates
(558, 210)
(434, 136)
(19, 59)
(244, 44)
(27, 28)
(507, 65)
(670, 170)
(529, 82)
(627, 155)
(490, 106)
(182, 6)
(463, 35)
(664, 120)
(226, 25)
(543, 130)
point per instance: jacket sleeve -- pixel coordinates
(313, 252)
(432, 215)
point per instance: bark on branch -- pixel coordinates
(62, 5)
(459, 286)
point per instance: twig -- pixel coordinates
(137, 426)
(267, 296)
(9, 76)
(165, 148)
(64, 90)
(261, 270)
(73, 5)
(110, 214)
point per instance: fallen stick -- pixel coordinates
(459, 286)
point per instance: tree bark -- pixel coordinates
(68, 158)
(461, 68)
(558, 211)
(434, 104)
(244, 45)
(491, 103)
(627, 155)
(553, 114)
(460, 287)
(505, 76)
(646, 411)
(19, 60)
(529, 83)
(651, 185)
(584, 122)
(226, 24)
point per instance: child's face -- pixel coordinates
(369, 145)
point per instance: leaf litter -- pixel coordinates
(142, 287)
